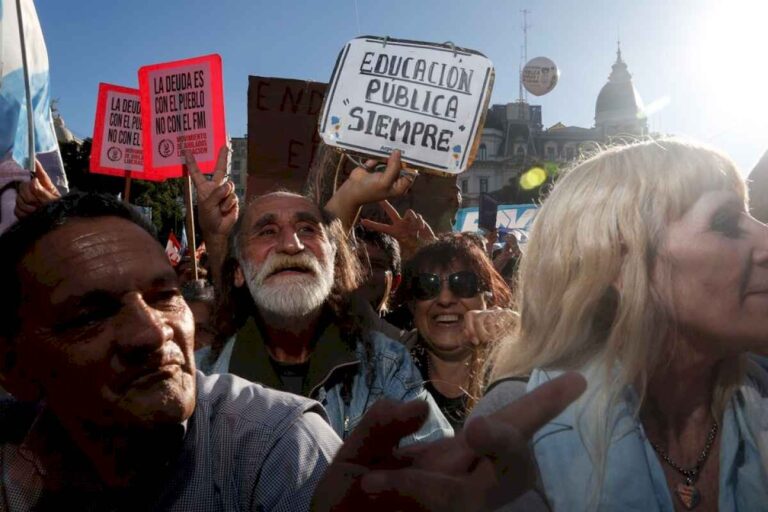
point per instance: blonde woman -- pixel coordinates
(646, 273)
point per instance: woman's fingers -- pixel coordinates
(390, 210)
(387, 229)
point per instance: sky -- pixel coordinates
(699, 65)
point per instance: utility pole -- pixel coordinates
(522, 93)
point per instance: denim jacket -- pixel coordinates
(634, 478)
(338, 377)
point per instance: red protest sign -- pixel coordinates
(117, 144)
(182, 108)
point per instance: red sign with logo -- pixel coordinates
(117, 137)
(182, 108)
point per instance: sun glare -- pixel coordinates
(730, 52)
(532, 178)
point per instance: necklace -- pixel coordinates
(687, 492)
(453, 408)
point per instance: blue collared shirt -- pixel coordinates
(245, 448)
(634, 478)
(394, 376)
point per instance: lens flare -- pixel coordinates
(655, 106)
(532, 178)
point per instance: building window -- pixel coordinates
(464, 186)
(569, 154)
(483, 184)
(482, 153)
(550, 152)
(520, 151)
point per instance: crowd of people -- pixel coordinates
(333, 362)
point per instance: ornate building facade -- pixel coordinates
(238, 165)
(514, 139)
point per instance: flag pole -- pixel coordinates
(190, 221)
(30, 113)
(127, 189)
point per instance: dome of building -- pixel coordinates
(63, 134)
(618, 99)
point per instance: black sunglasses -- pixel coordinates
(464, 284)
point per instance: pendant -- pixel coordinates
(688, 494)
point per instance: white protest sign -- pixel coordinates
(427, 100)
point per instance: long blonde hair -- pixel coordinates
(586, 295)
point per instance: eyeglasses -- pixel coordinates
(464, 284)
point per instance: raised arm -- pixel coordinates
(366, 186)
(489, 325)
(35, 193)
(217, 209)
(410, 230)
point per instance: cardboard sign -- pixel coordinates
(436, 198)
(487, 213)
(116, 148)
(427, 100)
(282, 132)
(182, 108)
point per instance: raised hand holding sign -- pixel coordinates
(35, 193)
(366, 186)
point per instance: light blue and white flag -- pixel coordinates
(183, 240)
(14, 139)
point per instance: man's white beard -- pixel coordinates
(290, 296)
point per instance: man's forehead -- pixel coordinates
(282, 205)
(91, 253)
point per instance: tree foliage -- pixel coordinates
(164, 198)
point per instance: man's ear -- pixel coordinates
(239, 276)
(14, 376)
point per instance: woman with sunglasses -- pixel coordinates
(445, 281)
(646, 273)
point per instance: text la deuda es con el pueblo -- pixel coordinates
(181, 96)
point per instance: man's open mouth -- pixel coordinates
(292, 270)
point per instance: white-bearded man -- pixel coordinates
(285, 289)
